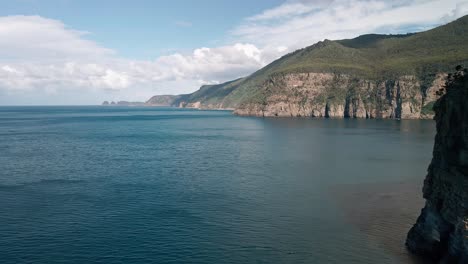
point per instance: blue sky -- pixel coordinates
(145, 29)
(85, 52)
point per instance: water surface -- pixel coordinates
(161, 185)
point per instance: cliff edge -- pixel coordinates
(371, 76)
(441, 231)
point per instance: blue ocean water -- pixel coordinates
(162, 185)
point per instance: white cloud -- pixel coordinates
(296, 24)
(219, 63)
(286, 10)
(43, 61)
(41, 55)
(460, 10)
(35, 38)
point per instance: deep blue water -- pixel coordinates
(155, 185)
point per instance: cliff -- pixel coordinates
(344, 96)
(162, 100)
(371, 76)
(441, 231)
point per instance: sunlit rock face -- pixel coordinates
(441, 231)
(343, 96)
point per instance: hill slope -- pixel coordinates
(373, 76)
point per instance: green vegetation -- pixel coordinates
(455, 81)
(212, 93)
(372, 57)
(428, 109)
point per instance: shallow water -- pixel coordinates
(161, 185)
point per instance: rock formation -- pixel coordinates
(340, 95)
(441, 231)
(371, 76)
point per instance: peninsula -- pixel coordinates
(371, 76)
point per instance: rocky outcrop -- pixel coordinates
(328, 95)
(196, 105)
(441, 231)
(203, 106)
(340, 95)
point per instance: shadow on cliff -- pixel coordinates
(441, 231)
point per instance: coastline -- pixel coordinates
(236, 113)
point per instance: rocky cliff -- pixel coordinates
(342, 95)
(371, 76)
(441, 231)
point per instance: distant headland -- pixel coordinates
(371, 76)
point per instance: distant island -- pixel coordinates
(122, 103)
(371, 76)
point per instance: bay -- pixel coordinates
(90, 184)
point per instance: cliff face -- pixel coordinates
(204, 106)
(441, 230)
(371, 76)
(340, 95)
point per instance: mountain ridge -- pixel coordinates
(370, 76)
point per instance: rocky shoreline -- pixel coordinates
(329, 95)
(342, 96)
(370, 76)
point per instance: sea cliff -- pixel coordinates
(371, 76)
(341, 96)
(441, 231)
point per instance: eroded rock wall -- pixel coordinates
(337, 96)
(441, 230)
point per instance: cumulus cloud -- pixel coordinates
(300, 23)
(210, 64)
(43, 57)
(35, 38)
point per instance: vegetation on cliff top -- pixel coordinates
(455, 81)
(373, 56)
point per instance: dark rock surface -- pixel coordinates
(441, 230)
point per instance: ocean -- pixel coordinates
(92, 184)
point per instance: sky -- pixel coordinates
(82, 52)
